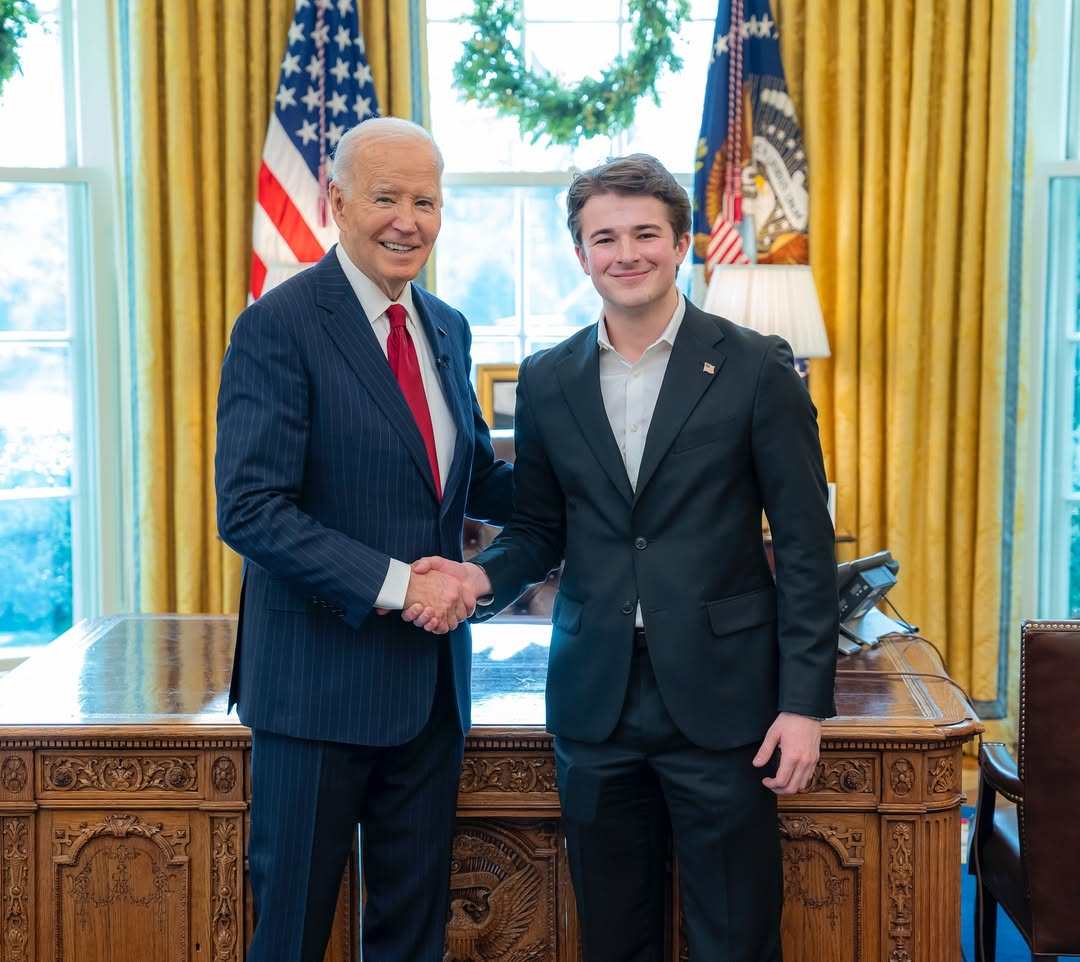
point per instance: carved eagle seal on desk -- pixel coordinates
(487, 925)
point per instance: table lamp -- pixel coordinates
(773, 299)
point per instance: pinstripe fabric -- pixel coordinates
(310, 795)
(322, 477)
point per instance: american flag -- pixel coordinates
(725, 241)
(324, 88)
(750, 156)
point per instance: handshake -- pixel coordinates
(443, 593)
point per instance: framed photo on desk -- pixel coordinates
(496, 388)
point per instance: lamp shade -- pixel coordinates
(773, 299)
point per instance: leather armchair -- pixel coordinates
(1026, 856)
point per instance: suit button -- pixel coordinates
(641, 544)
(628, 608)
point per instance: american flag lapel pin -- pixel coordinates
(709, 368)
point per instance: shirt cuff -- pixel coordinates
(394, 587)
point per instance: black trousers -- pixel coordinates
(624, 799)
(306, 800)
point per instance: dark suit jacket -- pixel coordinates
(730, 648)
(322, 477)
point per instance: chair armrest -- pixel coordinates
(998, 768)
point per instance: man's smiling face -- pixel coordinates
(390, 214)
(629, 249)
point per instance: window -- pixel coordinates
(1062, 403)
(56, 553)
(504, 255)
(1054, 124)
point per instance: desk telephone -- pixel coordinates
(861, 584)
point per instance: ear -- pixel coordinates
(337, 201)
(681, 247)
(582, 259)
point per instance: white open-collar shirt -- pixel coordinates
(630, 391)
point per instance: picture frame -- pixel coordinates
(496, 389)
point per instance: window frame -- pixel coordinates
(1059, 290)
(100, 496)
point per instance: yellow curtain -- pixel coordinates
(202, 83)
(906, 110)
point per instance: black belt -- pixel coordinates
(639, 639)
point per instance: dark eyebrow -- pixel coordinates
(636, 227)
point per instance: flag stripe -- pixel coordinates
(269, 244)
(290, 170)
(258, 275)
(287, 219)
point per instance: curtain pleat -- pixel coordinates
(906, 112)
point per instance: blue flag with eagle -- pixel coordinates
(750, 176)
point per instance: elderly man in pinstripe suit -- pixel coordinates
(349, 444)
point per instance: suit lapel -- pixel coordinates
(442, 347)
(685, 381)
(350, 330)
(579, 377)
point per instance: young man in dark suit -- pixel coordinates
(647, 447)
(349, 444)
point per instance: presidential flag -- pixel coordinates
(750, 177)
(324, 88)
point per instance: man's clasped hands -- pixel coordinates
(442, 593)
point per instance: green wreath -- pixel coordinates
(492, 72)
(15, 17)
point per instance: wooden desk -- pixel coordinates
(123, 793)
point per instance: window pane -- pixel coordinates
(1072, 146)
(34, 254)
(477, 139)
(35, 417)
(704, 9)
(32, 123)
(495, 350)
(1074, 562)
(470, 138)
(448, 9)
(557, 292)
(571, 10)
(35, 556)
(475, 260)
(670, 132)
(1076, 419)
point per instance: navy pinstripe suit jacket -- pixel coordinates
(321, 478)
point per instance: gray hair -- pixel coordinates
(377, 128)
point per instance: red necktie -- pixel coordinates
(401, 353)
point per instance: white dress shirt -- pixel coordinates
(630, 392)
(375, 302)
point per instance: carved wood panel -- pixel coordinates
(899, 890)
(942, 774)
(226, 889)
(15, 775)
(825, 898)
(504, 893)
(17, 889)
(848, 775)
(121, 773)
(120, 887)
